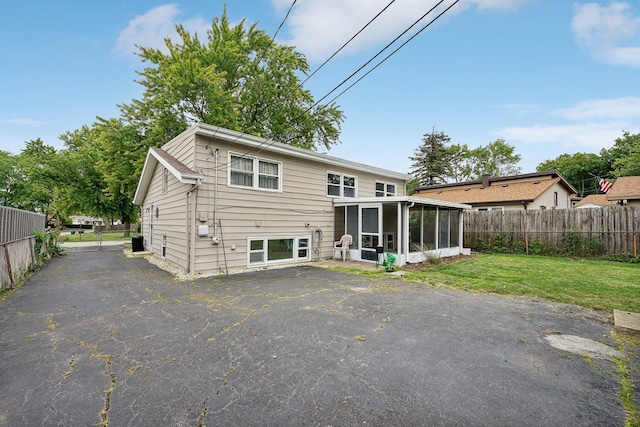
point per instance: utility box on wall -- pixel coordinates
(203, 230)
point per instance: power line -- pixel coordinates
(369, 61)
(396, 50)
(319, 68)
(385, 48)
(347, 42)
(269, 142)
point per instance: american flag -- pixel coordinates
(604, 184)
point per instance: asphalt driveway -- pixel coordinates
(95, 337)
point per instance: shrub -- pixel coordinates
(572, 243)
(481, 246)
(498, 244)
(519, 248)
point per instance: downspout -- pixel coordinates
(215, 194)
(398, 234)
(191, 226)
(405, 235)
(461, 231)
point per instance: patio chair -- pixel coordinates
(342, 245)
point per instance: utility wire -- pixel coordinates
(347, 42)
(394, 52)
(386, 47)
(316, 70)
(267, 145)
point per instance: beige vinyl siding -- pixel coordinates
(546, 198)
(245, 213)
(172, 218)
(182, 150)
(513, 207)
(242, 213)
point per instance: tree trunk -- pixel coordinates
(127, 226)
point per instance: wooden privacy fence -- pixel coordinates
(607, 230)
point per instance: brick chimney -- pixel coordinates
(485, 180)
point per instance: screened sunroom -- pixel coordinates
(410, 228)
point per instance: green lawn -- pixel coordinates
(603, 285)
(90, 236)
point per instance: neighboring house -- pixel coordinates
(594, 201)
(215, 200)
(625, 191)
(86, 220)
(538, 190)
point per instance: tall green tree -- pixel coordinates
(106, 159)
(9, 179)
(624, 156)
(238, 79)
(431, 161)
(120, 163)
(459, 168)
(497, 158)
(579, 169)
(39, 172)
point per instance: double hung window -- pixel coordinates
(250, 172)
(385, 189)
(340, 185)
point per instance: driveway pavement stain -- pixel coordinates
(97, 338)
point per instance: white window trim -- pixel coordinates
(342, 175)
(256, 173)
(386, 193)
(265, 246)
(490, 208)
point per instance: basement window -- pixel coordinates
(273, 250)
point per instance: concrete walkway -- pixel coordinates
(96, 338)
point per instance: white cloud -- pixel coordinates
(151, 28)
(588, 136)
(21, 121)
(318, 28)
(588, 125)
(611, 33)
(498, 4)
(617, 108)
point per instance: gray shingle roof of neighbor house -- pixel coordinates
(625, 187)
(254, 145)
(514, 188)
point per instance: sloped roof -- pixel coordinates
(175, 167)
(507, 192)
(259, 144)
(597, 200)
(626, 187)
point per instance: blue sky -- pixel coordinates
(549, 77)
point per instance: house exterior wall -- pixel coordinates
(504, 206)
(301, 209)
(182, 150)
(546, 199)
(171, 224)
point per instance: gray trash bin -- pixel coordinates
(137, 243)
